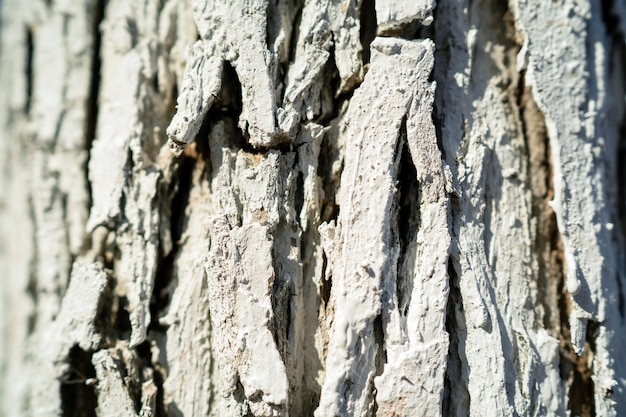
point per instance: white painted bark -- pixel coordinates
(310, 207)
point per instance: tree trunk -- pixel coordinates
(312, 207)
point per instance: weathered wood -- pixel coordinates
(310, 207)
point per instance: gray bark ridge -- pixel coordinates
(365, 249)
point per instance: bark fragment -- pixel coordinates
(240, 277)
(392, 15)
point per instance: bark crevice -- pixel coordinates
(368, 26)
(177, 193)
(94, 90)
(456, 398)
(617, 71)
(548, 253)
(78, 396)
(581, 392)
(30, 47)
(408, 222)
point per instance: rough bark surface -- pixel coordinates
(311, 207)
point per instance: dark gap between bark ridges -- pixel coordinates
(280, 325)
(94, 83)
(240, 396)
(329, 153)
(380, 359)
(295, 32)
(30, 50)
(330, 101)
(369, 25)
(78, 395)
(539, 182)
(581, 395)
(229, 105)
(31, 286)
(229, 101)
(130, 368)
(327, 283)
(144, 356)
(272, 29)
(177, 193)
(299, 195)
(158, 379)
(455, 393)
(408, 218)
(120, 318)
(611, 19)
(617, 64)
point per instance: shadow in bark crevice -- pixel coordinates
(367, 17)
(228, 108)
(327, 283)
(331, 100)
(282, 291)
(151, 372)
(275, 26)
(177, 193)
(28, 68)
(408, 221)
(78, 395)
(581, 393)
(329, 174)
(229, 102)
(286, 322)
(456, 398)
(617, 73)
(548, 252)
(94, 89)
(240, 396)
(120, 319)
(379, 360)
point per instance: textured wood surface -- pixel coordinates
(311, 207)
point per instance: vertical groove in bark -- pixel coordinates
(367, 17)
(615, 26)
(29, 69)
(547, 251)
(456, 398)
(552, 295)
(181, 298)
(77, 385)
(94, 87)
(408, 215)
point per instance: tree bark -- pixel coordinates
(311, 207)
